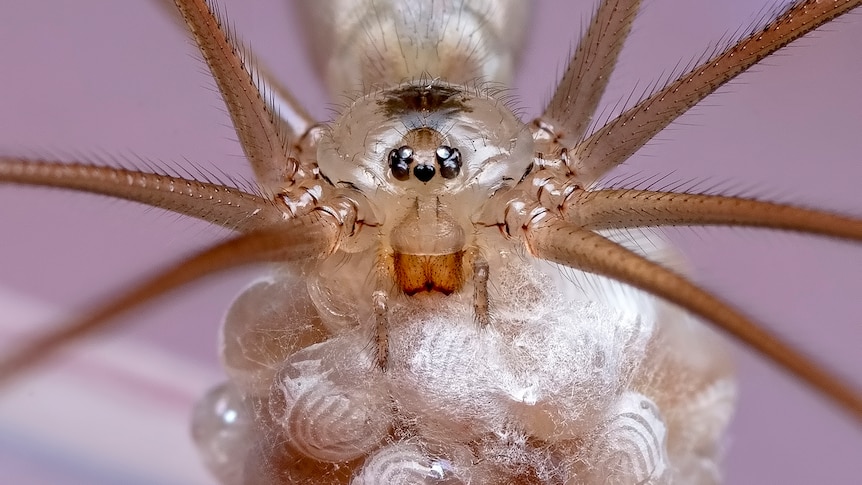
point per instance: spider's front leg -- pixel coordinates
(281, 151)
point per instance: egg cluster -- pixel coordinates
(563, 387)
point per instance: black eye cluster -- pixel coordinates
(447, 157)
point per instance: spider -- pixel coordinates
(757, 80)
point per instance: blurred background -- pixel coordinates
(117, 80)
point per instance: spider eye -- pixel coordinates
(399, 162)
(450, 161)
(424, 172)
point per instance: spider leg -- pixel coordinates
(302, 239)
(265, 139)
(381, 328)
(218, 204)
(480, 290)
(624, 208)
(615, 142)
(571, 109)
(553, 239)
(290, 111)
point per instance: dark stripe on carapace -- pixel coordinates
(416, 98)
(417, 273)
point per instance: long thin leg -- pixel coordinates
(619, 139)
(555, 240)
(300, 240)
(381, 328)
(574, 101)
(218, 204)
(295, 117)
(480, 290)
(624, 208)
(264, 138)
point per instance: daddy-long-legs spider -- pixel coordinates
(812, 165)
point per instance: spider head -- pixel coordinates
(436, 141)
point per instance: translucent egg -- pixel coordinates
(222, 429)
(336, 423)
(273, 462)
(336, 404)
(408, 464)
(631, 446)
(431, 350)
(268, 322)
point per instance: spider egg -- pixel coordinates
(273, 462)
(269, 321)
(631, 446)
(337, 408)
(431, 350)
(407, 464)
(336, 423)
(222, 430)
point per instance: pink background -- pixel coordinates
(96, 77)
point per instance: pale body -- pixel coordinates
(574, 379)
